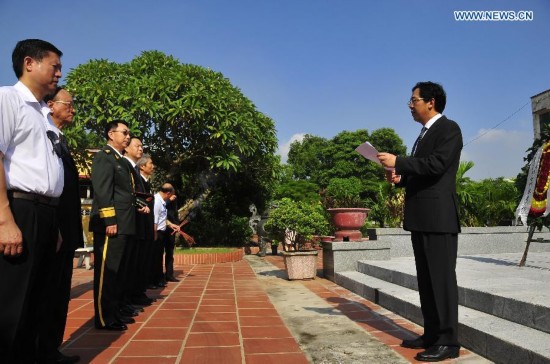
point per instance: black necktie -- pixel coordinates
(422, 132)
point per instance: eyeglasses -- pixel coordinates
(68, 103)
(125, 132)
(414, 100)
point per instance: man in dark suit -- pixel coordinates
(113, 223)
(135, 257)
(51, 330)
(431, 215)
(146, 169)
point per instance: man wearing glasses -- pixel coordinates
(50, 336)
(431, 215)
(112, 221)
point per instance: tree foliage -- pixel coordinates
(201, 131)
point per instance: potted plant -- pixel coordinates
(295, 223)
(347, 209)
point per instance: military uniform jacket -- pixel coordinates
(429, 178)
(114, 200)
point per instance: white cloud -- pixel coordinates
(284, 148)
(497, 153)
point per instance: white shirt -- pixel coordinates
(30, 163)
(131, 162)
(160, 212)
(432, 121)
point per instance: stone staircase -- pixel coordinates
(504, 312)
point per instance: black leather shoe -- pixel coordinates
(128, 312)
(126, 319)
(135, 307)
(172, 279)
(438, 353)
(66, 359)
(418, 343)
(58, 358)
(162, 284)
(113, 326)
(152, 286)
(142, 302)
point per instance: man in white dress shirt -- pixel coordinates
(31, 181)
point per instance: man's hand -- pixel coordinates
(387, 159)
(144, 210)
(11, 239)
(111, 230)
(391, 177)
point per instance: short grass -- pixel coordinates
(204, 250)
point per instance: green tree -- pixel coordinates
(201, 130)
(466, 198)
(298, 191)
(495, 201)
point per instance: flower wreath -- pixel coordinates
(540, 194)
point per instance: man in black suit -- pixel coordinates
(146, 169)
(51, 330)
(113, 223)
(431, 215)
(135, 257)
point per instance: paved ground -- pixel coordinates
(244, 312)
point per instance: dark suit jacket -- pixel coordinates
(69, 208)
(429, 179)
(114, 200)
(148, 220)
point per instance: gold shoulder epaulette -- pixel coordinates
(107, 150)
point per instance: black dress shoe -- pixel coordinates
(438, 353)
(142, 302)
(58, 358)
(128, 312)
(172, 279)
(418, 343)
(135, 307)
(113, 326)
(126, 319)
(162, 284)
(67, 359)
(152, 286)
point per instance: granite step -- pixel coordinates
(495, 338)
(488, 283)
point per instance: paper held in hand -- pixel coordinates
(368, 151)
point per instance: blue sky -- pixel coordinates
(323, 66)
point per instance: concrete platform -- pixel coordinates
(505, 309)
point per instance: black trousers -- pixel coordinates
(435, 257)
(108, 253)
(54, 318)
(158, 248)
(23, 280)
(169, 245)
(144, 264)
(129, 270)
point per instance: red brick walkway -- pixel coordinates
(218, 313)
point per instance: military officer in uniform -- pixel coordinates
(112, 221)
